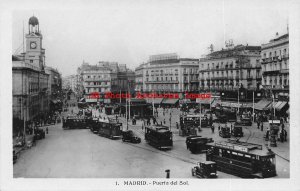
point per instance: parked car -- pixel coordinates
(225, 132)
(207, 169)
(130, 136)
(39, 134)
(237, 131)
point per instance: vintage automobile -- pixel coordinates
(207, 169)
(39, 134)
(197, 144)
(237, 131)
(224, 132)
(130, 136)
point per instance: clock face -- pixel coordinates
(33, 45)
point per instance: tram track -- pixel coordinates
(170, 154)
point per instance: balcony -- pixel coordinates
(285, 57)
(97, 79)
(96, 86)
(162, 82)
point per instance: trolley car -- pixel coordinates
(109, 128)
(159, 136)
(246, 160)
(75, 122)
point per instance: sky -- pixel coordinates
(128, 33)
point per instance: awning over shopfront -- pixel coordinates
(205, 101)
(262, 104)
(277, 105)
(236, 105)
(281, 106)
(91, 100)
(170, 101)
(215, 102)
(156, 101)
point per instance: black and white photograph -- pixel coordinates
(150, 95)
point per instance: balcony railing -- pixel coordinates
(162, 81)
(96, 79)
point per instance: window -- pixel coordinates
(31, 61)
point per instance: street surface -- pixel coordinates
(79, 153)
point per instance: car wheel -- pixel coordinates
(193, 173)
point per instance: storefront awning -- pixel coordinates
(154, 100)
(91, 100)
(170, 101)
(262, 104)
(205, 101)
(215, 102)
(281, 106)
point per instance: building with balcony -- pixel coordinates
(104, 77)
(70, 82)
(30, 88)
(229, 70)
(275, 67)
(167, 73)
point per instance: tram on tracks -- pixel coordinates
(224, 114)
(108, 127)
(159, 137)
(75, 122)
(246, 160)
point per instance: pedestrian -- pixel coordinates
(258, 123)
(177, 126)
(47, 130)
(219, 127)
(262, 126)
(212, 129)
(164, 121)
(282, 125)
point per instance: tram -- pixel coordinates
(224, 114)
(109, 128)
(75, 122)
(246, 160)
(159, 136)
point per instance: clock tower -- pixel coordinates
(35, 54)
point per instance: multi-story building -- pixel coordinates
(275, 67)
(54, 82)
(166, 73)
(70, 82)
(30, 82)
(105, 77)
(228, 70)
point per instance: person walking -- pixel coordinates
(212, 129)
(262, 126)
(164, 121)
(177, 126)
(47, 130)
(258, 123)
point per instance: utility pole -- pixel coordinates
(253, 107)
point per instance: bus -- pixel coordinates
(159, 137)
(109, 128)
(243, 159)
